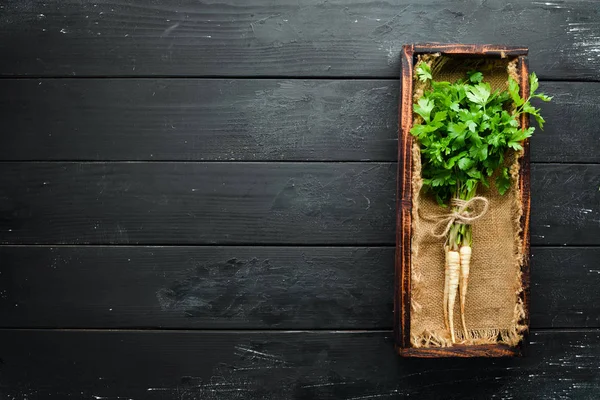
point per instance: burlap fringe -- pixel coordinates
(519, 316)
(428, 338)
(514, 334)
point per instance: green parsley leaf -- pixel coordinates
(465, 163)
(503, 181)
(440, 116)
(424, 107)
(513, 89)
(533, 82)
(475, 76)
(515, 145)
(424, 72)
(520, 135)
(542, 97)
(466, 130)
(479, 94)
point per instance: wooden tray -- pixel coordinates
(402, 290)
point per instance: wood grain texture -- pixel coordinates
(242, 120)
(174, 116)
(251, 203)
(197, 119)
(302, 365)
(196, 287)
(470, 49)
(312, 38)
(206, 203)
(462, 351)
(258, 120)
(565, 204)
(402, 288)
(250, 287)
(564, 287)
(569, 135)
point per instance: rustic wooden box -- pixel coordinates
(402, 297)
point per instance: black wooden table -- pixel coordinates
(197, 199)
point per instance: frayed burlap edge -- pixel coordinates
(514, 334)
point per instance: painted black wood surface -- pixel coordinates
(240, 203)
(250, 287)
(197, 199)
(245, 120)
(290, 38)
(283, 365)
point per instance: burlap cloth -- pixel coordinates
(494, 310)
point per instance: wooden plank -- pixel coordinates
(564, 286)
(234, 37)
(250, 287)
(196, 203)
(402, 277)
(251, 203)
(190, 287)
(570, 135)
(565, 204)
(301, 365)
(196, 119)
(462, 49)
(462, 351)
(258, 120)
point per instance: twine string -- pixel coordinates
(461, 215)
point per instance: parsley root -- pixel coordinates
(464, 133)
(465, 263)
(453, 274)
(446, 285)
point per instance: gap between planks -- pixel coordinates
(267, 161)
(270, 331)
(253, 245)
(247, 77)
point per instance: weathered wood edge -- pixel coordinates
(470, 49)
(404, 221)
(404, 205)
(484, 350)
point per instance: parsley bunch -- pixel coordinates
(465, 132)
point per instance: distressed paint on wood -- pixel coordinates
(254, 120)
(251, 203)
(196, 287)
(252, 287)
(460, 49)
(319, 120)
(462, 351)
(402, 285)
(196, 203)
(197, 119)
(312, 38)
(568, 278)
(276, 365)
(572, 189)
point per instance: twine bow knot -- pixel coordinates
(461, 215)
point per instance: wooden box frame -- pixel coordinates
(402, 295)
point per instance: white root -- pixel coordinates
(465, 264)
(453, 278)
(446, 282)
